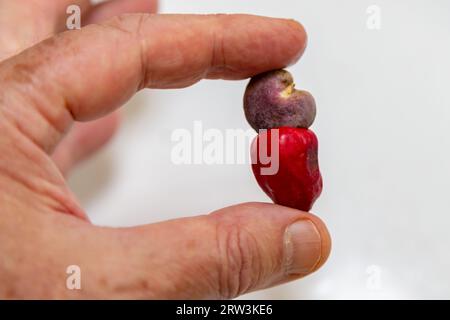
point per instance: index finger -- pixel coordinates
(82, 75)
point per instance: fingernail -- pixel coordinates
(302, 245)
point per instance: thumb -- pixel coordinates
(229, 252)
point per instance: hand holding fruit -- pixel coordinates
(49, 86)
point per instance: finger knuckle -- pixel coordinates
(239, 263)
(129, 23)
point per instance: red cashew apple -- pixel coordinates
(284, 155)
(297, 183)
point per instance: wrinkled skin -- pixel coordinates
(83, 75)
(271, 101)
(298, 182)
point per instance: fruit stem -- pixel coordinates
(288, 91)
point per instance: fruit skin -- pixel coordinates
(298, 182)
(271, 101)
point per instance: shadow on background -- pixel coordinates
(91, 177)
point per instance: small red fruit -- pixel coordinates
(297, 183)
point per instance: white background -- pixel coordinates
(384, 129)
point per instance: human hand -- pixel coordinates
(84, 75)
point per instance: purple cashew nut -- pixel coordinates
(271, 101)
